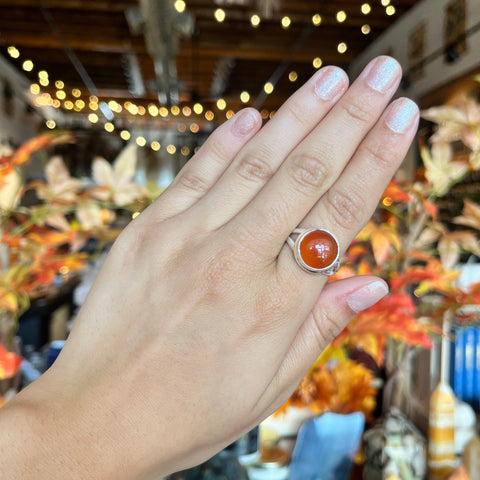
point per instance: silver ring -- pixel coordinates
(315, 250)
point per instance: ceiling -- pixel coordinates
(90, 46)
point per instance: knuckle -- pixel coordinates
(358, 111)
(325, 327)
(309, 171)
(191, 181)
(379, 153)
(297, 113)
(255, 167)
(345, 209)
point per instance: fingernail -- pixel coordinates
(245, 121)
(367, 296)
(330, 82)
(401, 115)
(382, 73)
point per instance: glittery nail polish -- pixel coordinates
(330, 82)
(367, 296)
(382, 73)
(401, 115)
(244, 123)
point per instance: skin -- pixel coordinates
(200, 323)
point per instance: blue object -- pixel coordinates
(469, 365)
(326, 447)
(458, 360)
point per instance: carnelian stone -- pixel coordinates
(318, 249)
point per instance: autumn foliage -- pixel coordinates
(407, 244)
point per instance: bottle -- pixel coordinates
(441, 432)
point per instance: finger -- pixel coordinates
(351, 201)
(335, 307)
(202, 171)
(260, 159)
(316, 164)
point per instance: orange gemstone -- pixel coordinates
(318, 249)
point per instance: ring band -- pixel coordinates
(316, 250)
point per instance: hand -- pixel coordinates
(201, 323)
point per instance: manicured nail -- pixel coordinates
(330, 82)
(245, 121)
(382, 73)
(402, 114)
(367, 296)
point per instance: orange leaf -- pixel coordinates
(9, 363)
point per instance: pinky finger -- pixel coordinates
(335, 307)
(203, 170)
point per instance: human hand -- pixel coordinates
(201, 323)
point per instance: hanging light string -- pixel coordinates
(108, 108)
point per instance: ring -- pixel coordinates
(316, 250)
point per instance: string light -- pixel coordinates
(255, 20)
(93, 106)
(317, 62)
(35, 88)
(132, 108)
(181, 127)
(42, 74)
(198, 108)
(244, 97)
(209, 115)
(142, 110)
(341, 16)
(27, 65)
(93, 118)
(13, 52)
(44, 82)
(268, 87)
(286, 22)
(56, 103)
(366, 29)
(187, 111)
(293, 76)
(221, 104)
(230, 114)
(316, 19)
(390, 10)
(163, 111)
(76, 93)
(194, 128)
(264, 114)
(179, 6)
(125, 135)
(185, 151)
(80, 104)
(155, 146)
(175, 110)
(366, 8)
(342, 47)
(93, 98)
(68, 105)
(153, 110)
(219, 15)
(109, 127)
(59, 84)
(60, 94)
(385, 2)
(51, 124)
(141, 142)
(171, 149)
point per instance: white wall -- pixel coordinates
(20, 125)
(438, 72)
